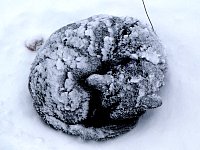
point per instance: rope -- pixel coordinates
(148, 16)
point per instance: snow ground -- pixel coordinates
(175, 125)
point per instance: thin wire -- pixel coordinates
(148, 16)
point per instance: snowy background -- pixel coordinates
(175, 125)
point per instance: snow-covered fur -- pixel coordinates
(96, 77)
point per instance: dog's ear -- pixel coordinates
(150, 101)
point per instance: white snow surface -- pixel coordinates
(174, 125)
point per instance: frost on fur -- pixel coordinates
(96, 77)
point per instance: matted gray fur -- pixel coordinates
(96, 77)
